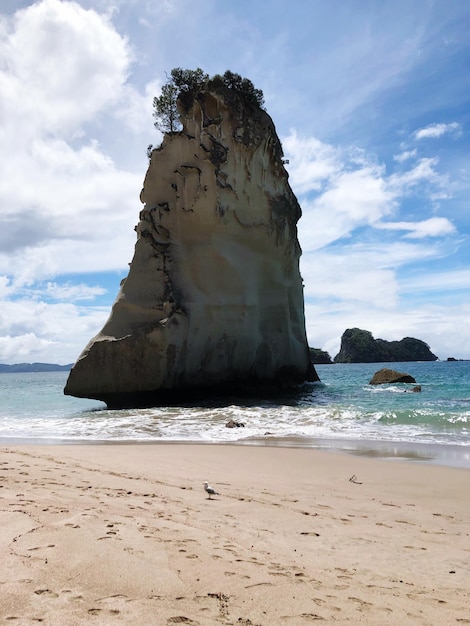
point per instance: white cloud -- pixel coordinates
(424, 172)
(15, 349)
(350, 277)
(432, 227)
(72, 293)
(64, 204)
(405, 156)
(311, 162)
(5, 287)
(36, 331)
(343, 190)
(360, 272)
(458, 279)
(433, 131)
(360, 195)
(64, 65)
(339, 190)
(351, 199)
(135, 109)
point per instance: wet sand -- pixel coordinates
(125, 534)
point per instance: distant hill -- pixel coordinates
(33, 367)
(359, 346)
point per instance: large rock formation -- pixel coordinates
(359, 346)
(214, 298)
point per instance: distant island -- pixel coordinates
(359, 346)
(320, 357)
(33, 367)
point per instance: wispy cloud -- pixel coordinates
(405, 155)
(432, 227)
(455, 279)
(341, 191)
(72, 292)
(433, 131)
(424, 179)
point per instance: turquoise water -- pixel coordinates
(343, 411)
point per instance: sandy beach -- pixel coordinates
(125, 534)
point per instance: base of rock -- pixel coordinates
(217, 393)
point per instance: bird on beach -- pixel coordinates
(210, 490)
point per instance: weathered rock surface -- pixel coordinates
(359, 346)
(214, 297)
(387, 376)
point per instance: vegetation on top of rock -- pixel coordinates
(318, 356)
(359, 346)
(184, 85)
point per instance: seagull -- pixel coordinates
(210, 490)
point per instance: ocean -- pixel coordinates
(343, 412)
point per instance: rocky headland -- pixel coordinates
(359, 346)
(213, 300)
(320, 357)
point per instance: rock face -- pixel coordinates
(387, 376)
(214, 297)
(359, 346)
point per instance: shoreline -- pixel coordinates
(124, 534)
(439, 454)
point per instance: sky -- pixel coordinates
(370, 98)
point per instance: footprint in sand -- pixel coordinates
(262, 584)
(362, 603)
(46, 593)
(94, 611)
(41, 547)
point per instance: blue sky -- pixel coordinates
(371, 100)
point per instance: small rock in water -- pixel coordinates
(234, 424)
(386, 376)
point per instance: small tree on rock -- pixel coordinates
(165, 110)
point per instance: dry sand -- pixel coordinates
(125, 534)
